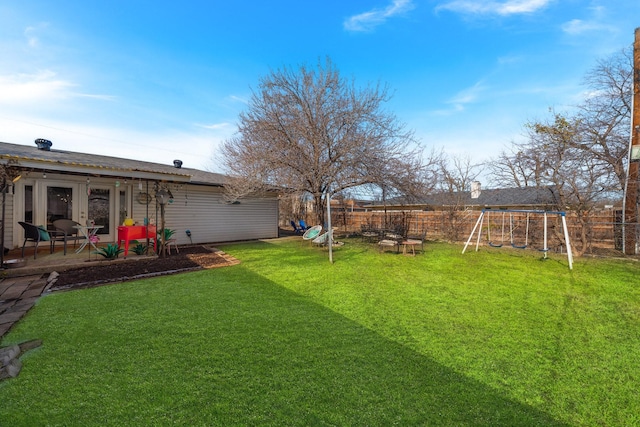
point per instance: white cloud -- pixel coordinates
(577, 27)
(369, 20)
(462, 99)
(238, 99)
(42, 86)
(510, 7)
(31, 34)
(95, 96)
(510, 59)
(196, 149)
(32, 40)
(215, 126)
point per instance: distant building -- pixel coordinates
(500, 198)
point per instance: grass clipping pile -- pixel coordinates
(190, 258)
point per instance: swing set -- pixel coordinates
(514, 226)
(512, 229)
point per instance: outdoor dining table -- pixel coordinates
(88, 231)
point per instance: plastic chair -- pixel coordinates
(312, 232)
(303, 225)
(323, 239)
(296, 229)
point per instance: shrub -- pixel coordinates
(168, 233)
(139, 248)
(111, 251)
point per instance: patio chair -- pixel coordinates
(66, 232)
(322, 239)
(417, 240)
(369, 234)
(303, 225)
(390, 240)
(296, 229)
(33, 233)
(312, 232)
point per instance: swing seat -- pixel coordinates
(495, 245)
(513, 245)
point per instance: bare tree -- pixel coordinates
(602, 129)
(456, 175)
(554, 156)
(310, 130)
(582, 155)
(605, 115)
(516, 167)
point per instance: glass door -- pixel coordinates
(100, 210)
(59, 203)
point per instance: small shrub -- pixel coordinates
(139, 248)
(111, 251)
(168, 233)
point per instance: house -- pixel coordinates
(530, 198)
(49, 184)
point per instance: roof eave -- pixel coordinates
(58, 166)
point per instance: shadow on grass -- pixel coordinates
(230, 347)
(326, 369)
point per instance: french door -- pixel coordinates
(42, 201)
(100, 209)
(82, 203)
(59, 202)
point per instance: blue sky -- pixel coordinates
(158, 81)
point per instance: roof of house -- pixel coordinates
(74, 162)
(492, 198)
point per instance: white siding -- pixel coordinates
(8, 213)
(202, 210)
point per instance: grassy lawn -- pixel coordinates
(496, 337)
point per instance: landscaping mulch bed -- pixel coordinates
(190, 258)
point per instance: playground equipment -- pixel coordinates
(545, 214)
(494, 245)
(512, 227)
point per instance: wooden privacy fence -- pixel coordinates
(600, 233)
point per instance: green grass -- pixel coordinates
(496, 337)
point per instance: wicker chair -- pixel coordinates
(33, 233)
(66, 232)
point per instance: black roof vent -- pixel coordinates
(43, 144)
(177, 164)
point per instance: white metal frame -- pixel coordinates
(563, 215)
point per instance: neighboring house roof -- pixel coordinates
(72, 162)
(526, 197)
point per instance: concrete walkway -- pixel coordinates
(17, 296)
